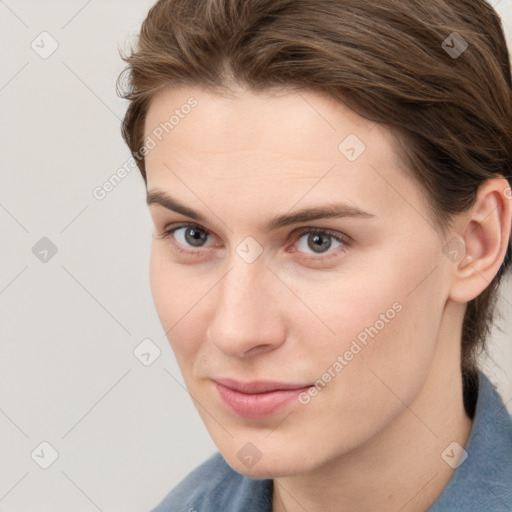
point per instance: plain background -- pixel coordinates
(125, 433)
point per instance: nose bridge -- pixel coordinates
(243, 319)
(242, 291)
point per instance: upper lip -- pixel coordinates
(258, 386)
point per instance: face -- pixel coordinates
(291, 267)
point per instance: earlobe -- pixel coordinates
(485, 232)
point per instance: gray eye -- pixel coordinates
(317, 243)
(191, 236)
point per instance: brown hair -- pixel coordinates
(390, 61)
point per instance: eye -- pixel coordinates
(186, 236)
(316, 241)
(192, 236)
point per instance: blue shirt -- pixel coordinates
(482, 483)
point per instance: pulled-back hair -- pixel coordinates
(400, 63)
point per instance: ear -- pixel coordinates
(485, 231)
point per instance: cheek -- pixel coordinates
(170, 287)
(175, 300)
(354, 308)
(158, 279)
(395, 358)
(384, 327)
(165, 292)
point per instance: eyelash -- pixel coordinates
(343, 239)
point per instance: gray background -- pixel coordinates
(125, 433)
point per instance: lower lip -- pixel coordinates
(257, 405)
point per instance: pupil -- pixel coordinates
(195, 237)
(317, 242)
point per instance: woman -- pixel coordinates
(329, 183)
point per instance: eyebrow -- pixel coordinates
(329, 211)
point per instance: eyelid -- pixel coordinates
(326, 257)
(337, 235)
(171, 228)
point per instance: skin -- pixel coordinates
(382, 422)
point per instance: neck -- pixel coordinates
(401, 468)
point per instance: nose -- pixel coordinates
(247, 318)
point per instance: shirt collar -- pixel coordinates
(483, 482)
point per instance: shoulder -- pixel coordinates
(214, 486)
(483, 480)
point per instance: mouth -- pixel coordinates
(257, 399)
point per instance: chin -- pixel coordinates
(265, 469)
(269, 462)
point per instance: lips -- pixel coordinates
(257, 399)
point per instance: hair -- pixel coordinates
(389, 61)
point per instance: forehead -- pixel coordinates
(257, 143)
(275, 121)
